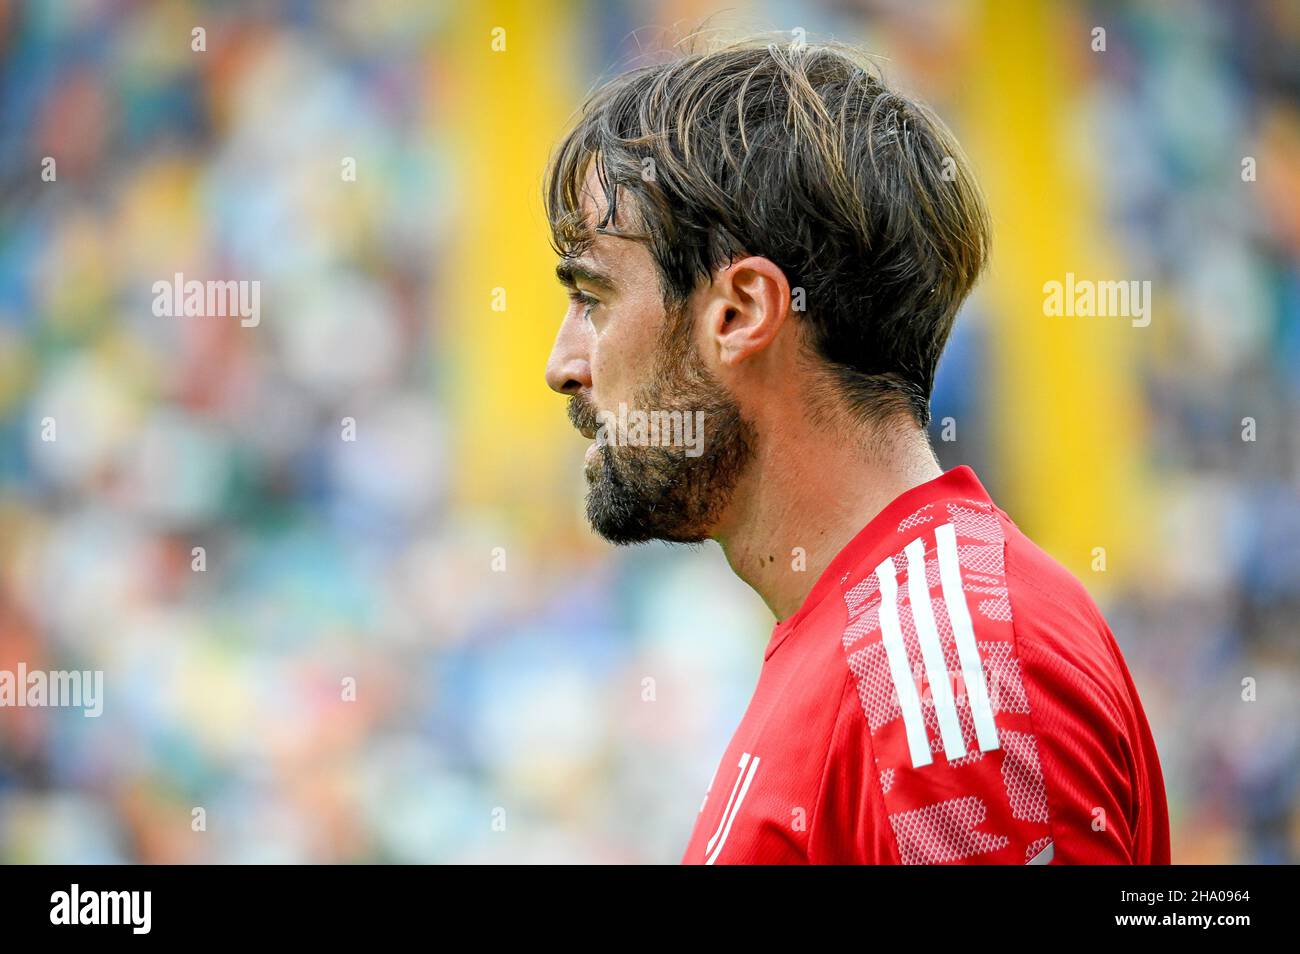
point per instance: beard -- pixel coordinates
(658, 492)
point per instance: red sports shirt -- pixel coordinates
(946, 693)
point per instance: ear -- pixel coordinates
(747, 307)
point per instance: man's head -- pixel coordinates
(755, 224)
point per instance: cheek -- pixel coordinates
(609, 376)
(622, 357)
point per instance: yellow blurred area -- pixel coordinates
(513, 62)
(1064, 389)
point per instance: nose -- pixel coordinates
(568, 370)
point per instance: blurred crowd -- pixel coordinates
(1200, 117)
(315, 650)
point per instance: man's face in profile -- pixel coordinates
(620, 346)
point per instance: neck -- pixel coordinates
(806, 495)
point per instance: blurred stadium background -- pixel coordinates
(484, 695)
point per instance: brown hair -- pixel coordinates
(800, 154)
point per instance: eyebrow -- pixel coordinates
(570, 272)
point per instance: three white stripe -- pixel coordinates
(936, 667)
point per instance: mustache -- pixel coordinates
(582, 414)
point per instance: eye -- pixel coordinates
(585, 300)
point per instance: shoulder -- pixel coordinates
(937, 701)
(1062, 638)
(978, 666)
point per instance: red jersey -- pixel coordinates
(947, 693)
